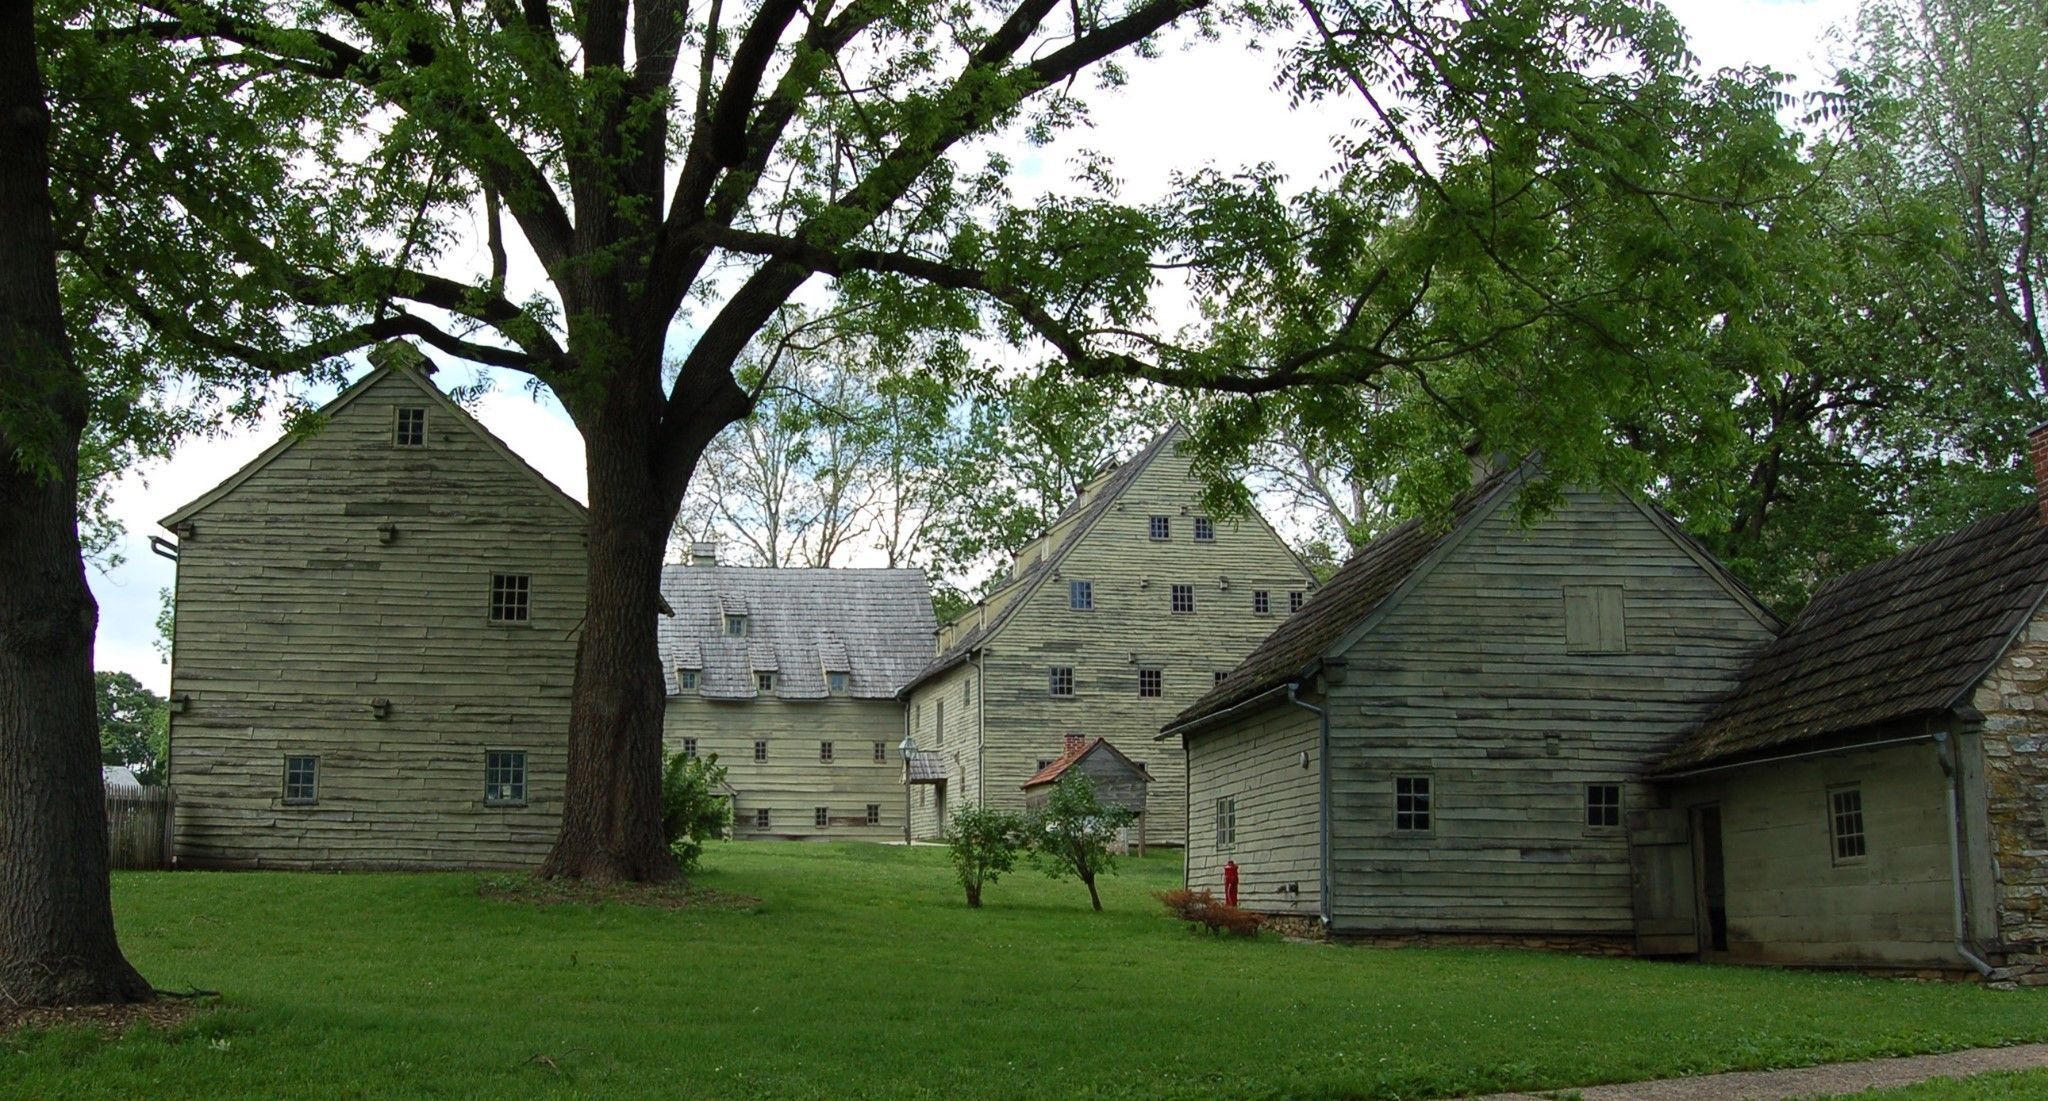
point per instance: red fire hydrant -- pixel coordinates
(1230, 883)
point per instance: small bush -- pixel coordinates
(982, 843)
(692, 810)
(1071, 835)
(1201, 911)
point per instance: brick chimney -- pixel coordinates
(1075, 743)
(703, 554)
(2037, 455)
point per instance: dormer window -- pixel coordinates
(735, 625)
(764, 681)
(412, 427)
(836, 682)
(686, 680)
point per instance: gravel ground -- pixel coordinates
(1823, 1081)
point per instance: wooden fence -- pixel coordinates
(139, 827)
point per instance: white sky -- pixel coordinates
(1211, 105)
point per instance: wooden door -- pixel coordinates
(1710, 873)
(1661, 871)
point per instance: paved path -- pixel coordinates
(1823, 1081)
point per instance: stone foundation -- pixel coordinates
(1578, 944)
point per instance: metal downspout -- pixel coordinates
(981, 728)
(1944, 750)
(1322, 801)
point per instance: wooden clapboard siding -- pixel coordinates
(1132, 626)
(958, 745)
(1258, 762)
(1789, 901)
(292, 616)
(1465, 678)
(793, 782)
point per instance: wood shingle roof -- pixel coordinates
(874, 625)
(1906, 638)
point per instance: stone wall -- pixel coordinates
(2014, 701)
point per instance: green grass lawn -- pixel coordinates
(2026, 1085)
(861, 974)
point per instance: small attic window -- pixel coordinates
(764, 681)
(411, 430)
(735, 625)
(686, 680)
(836, 682)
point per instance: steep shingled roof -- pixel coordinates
(874, 625)
(1079, 518)
(1344, 600)
(1901, 639)
(1052, 772)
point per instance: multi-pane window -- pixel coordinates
(505, 776)
(1226, 822)
(939, 722)
(1161, 527)
(760, 751)
(761, 818)
(764, 681)
(1845, 814)
(1205, 530)
(1060, 680)
(301, 779)
(1603, 805)
(412, 427)
(825, 753)
(736, 626)
(1411, 803)
(1183, 598)
(689, 747)
(1045, 763)
(874, 814)
(835, 682)
(821, 817)
(511, 597)
(1294, 600)
(881, 752)
(1220, 674)
(1262, 602)
(1081, 595)
(1150, 683)
(686, 680)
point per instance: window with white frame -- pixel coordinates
(1151, 683)
(1161, 527)
(1262, 602)
(412, 427)
(1226, 822)
(760, 751)
(1060, 680)
(686, 680)
(836, 683)
(1845, 821)
(505, 776)
(874, 814)
(735, 625)
(1412, 804)
(511, 597)
(1603, 806)
(1183, 599)
(689, 747)
(301, 779)
(1205, 530)
(764, 681)
(821, 817)
(1081, 596)
(825, 753)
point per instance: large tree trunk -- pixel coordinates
(611, 810)
(57, 943)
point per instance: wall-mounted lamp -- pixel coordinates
(387, 533)
(380, 708)
(179, 702)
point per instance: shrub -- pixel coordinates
(692, 810)
(1201, 911)
(982, 843)
(1071, 835)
